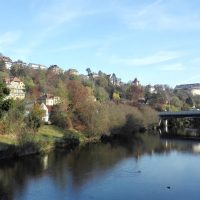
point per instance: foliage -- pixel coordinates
(116, 97)
(17, 70)
(71, 140)
(2, 66)
(189, 101)
(78, 94)
(34, 118)
(150, 116)
(5, 104)
(13, 119)
(101, 94)
(135, 92)
(60, 117)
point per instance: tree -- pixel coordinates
(116, 97)
(114, 79)
(13, 119)
(17, 70)
(102, 82)
(90, 74)
(78, 94)
(2, 66)
(189, 101)
(101, 94)
(89, 71)
(61, 117)
(135, 92)
(34, 119)
(5, 104)
(175, 101)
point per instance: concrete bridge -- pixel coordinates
(164, 116)
(180, 114)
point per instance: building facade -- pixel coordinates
(49, 99)
(17, 88)
(45, 117)
(7, 61)
(194, 89)
(36, 66)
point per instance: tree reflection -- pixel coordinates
(82, 165)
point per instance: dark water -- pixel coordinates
(139, 169)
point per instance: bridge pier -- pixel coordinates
(166, 125)
(164, 122)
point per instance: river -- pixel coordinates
(145, 167)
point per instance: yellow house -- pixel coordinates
(16, 86)
(49, 99)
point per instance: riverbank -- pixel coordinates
(48, 138)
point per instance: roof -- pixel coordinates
(188, 86)
(5, 59)
(135, 80)
(46, 96)
(12, 79)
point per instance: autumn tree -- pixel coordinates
(34, 118)
(135, 92)
(77, 94)
(116, 97)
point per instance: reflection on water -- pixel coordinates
(139, 169)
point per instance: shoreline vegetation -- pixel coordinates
(124, 122)
(48, 138)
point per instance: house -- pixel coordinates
(19, 62)
(55, 69)
(49, 99)
(45, 118)
(16, 86)
(7, 61)
(72, 72)
(151, 89)
(95, 75)
(194, 89)
(36, 66)
(136, 82)
(47, 110)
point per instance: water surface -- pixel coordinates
(144, 168)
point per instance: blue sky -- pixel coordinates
(157, 41)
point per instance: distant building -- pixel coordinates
(72, 72)
(136, 82)
(46, 115)
(19, 62)
(194, 89)
(151, 89)
(49, 99)
(36, 66)
(16, 86)
(55, 69)
(29, 106)
(95, 75)
(7, 61)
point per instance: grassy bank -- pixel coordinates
(48, 137)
